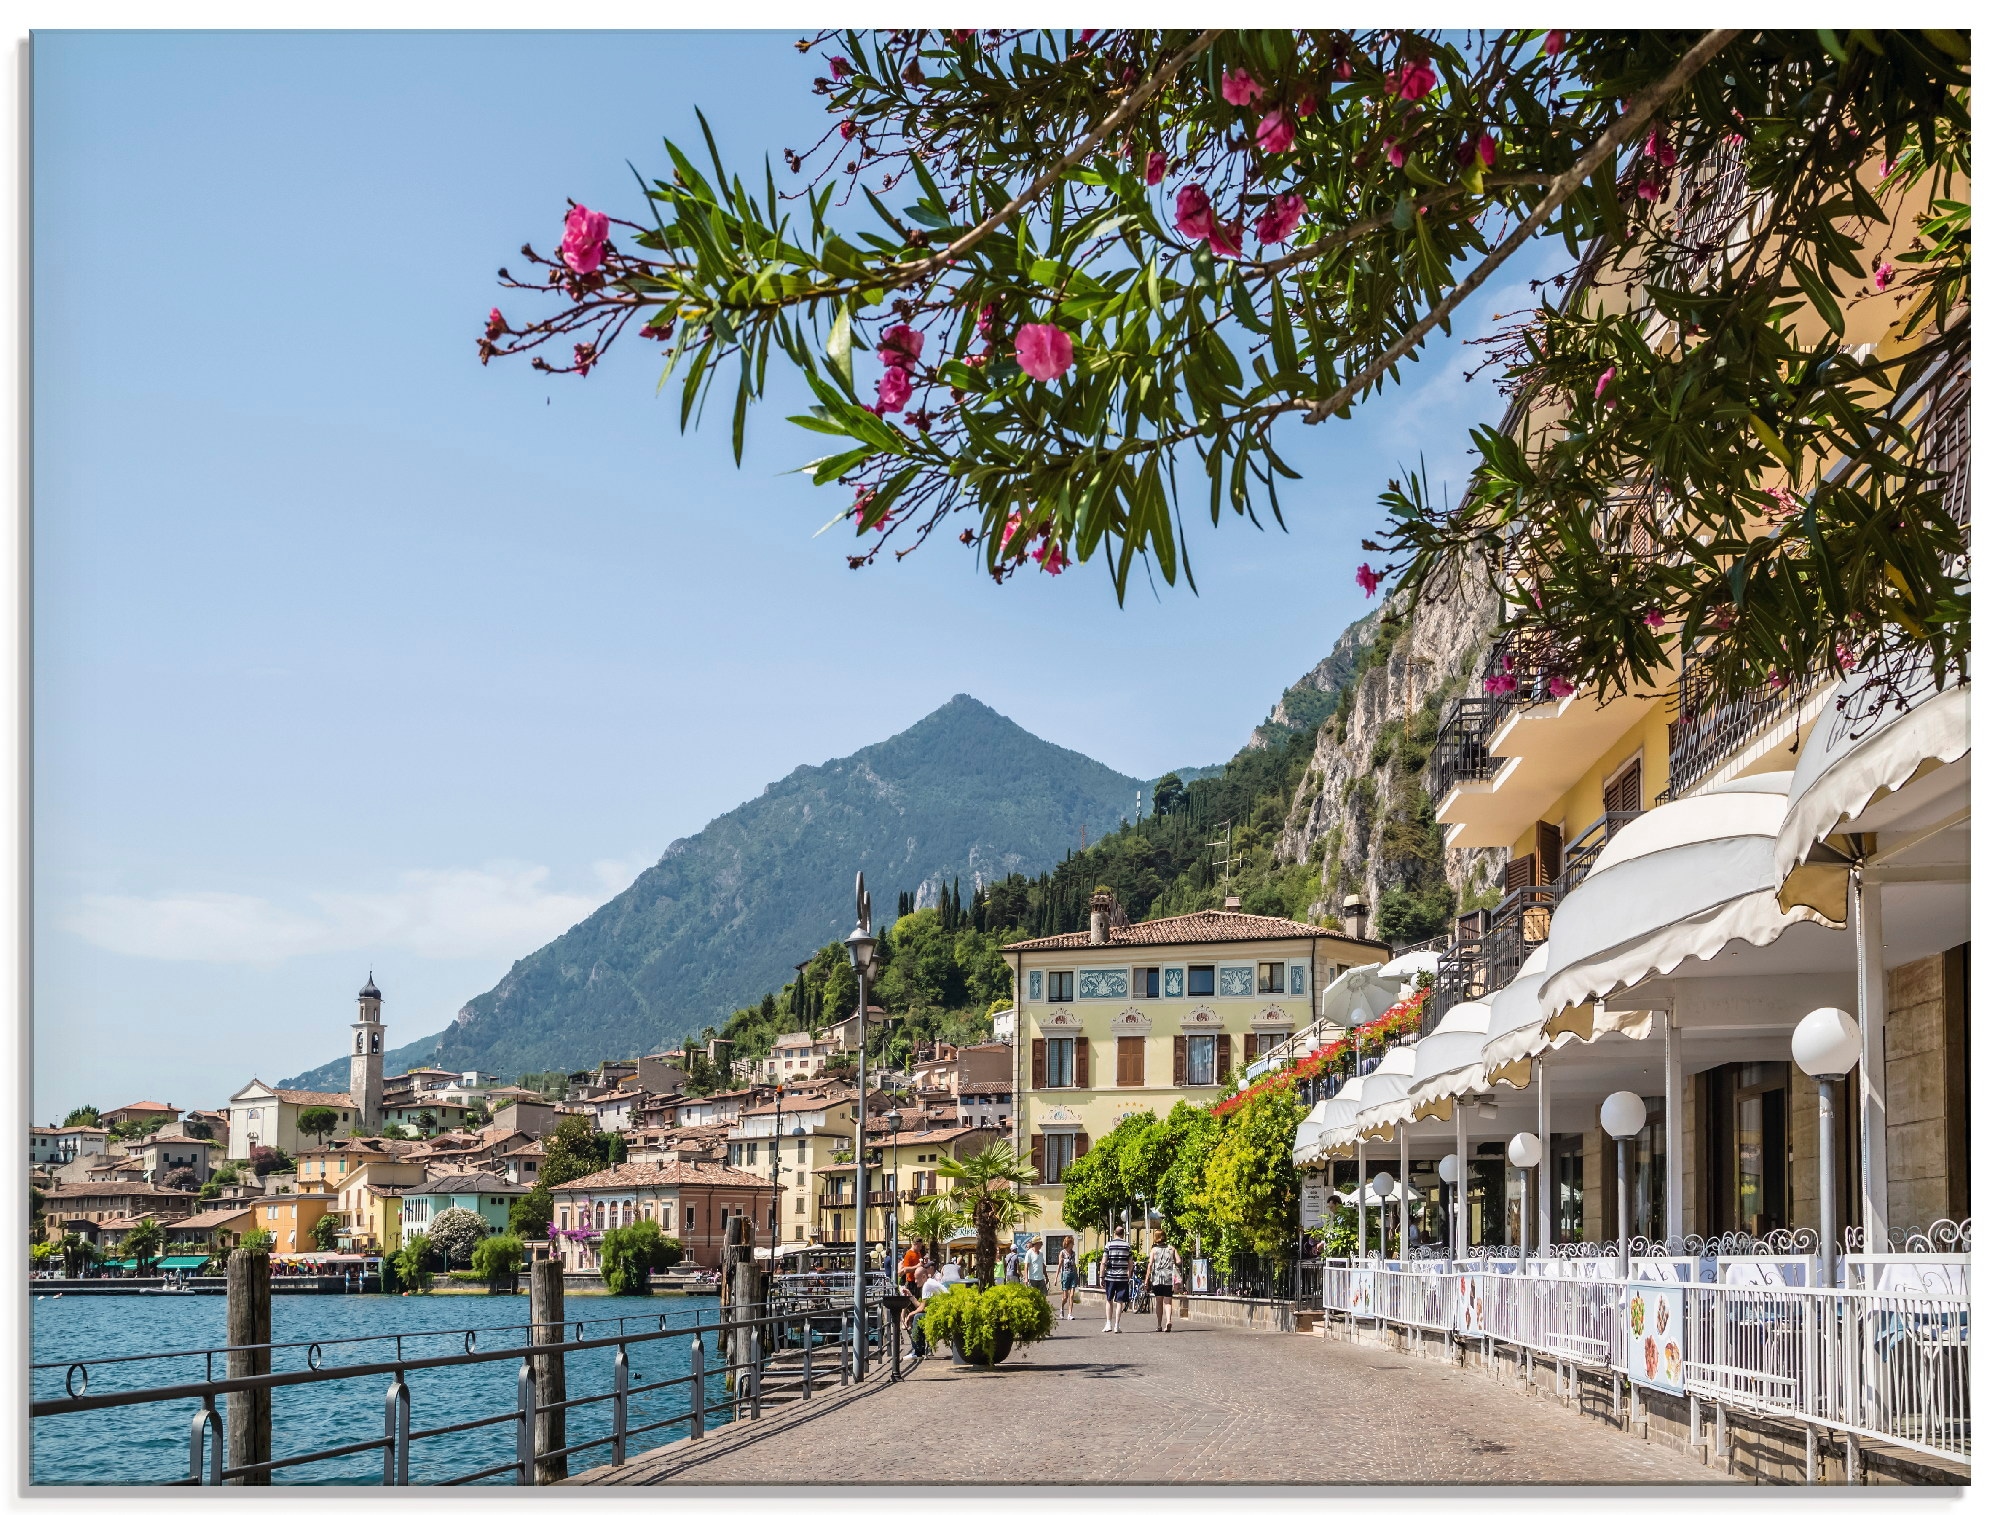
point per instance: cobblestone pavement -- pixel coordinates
(1204, 1404)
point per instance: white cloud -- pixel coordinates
(502, 909)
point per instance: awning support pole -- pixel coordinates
(1871, 1001)
(1464, 1179)
(1544, 1227)
(1403, 1196)
(1674, 1223)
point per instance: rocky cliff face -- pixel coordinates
(1363, 813)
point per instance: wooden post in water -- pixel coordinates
(739, 1300)
(249, 1413)
(545, 1316)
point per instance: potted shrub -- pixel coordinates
(981, 1326)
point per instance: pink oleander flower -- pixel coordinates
(1885, 274)
(1654, 619)
(1368, 579)
(1781, 681)
(1344, 69)
(1007, 532)
(1086, 34)
(1239, 88)
(1156, 167)
(1647, 189)
(496, 324)
(901, 347)
(1553, 43)
(1560, 687)
(1724, 617)
(1844, 656)
(1507, 662)
(1487, 149)
(1413, 80)
(585, 356)
(1502, 683)
(1052, 555)
(1225, 240)
(584, 234)
(847, 131)
(1280, 218)
(1306, 106)
(892, 390)
(1604, 380)
(1660, 148)
(1192, 214)
(839, 67)
(986, 315)
(1276, 132)
(1044, 352)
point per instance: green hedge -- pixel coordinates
(976, 1320)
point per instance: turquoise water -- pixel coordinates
(145, 1444)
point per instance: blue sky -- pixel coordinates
(350, 653)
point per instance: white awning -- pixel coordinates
(1306, 1141)
(1448, 1060)
(1387, 1083)
(1866, 745)
(1514, 1024)
(1681, 881)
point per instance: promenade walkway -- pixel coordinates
(1204, 1405)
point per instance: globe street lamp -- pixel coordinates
(1525, 1153)
(1448, 1175)
(861, 953)
(1826, 1045)
(1623, 1116)
(1383, 1185)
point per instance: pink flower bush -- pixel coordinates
(839, 67)
(847, 131)
(1487, 149)
(1193, 217)
(1844, 655)
(1225, 241)
(1368, 579)
(1502, 683)
(1781, 681)
(1784, 504)
(901, 347)
(892, 390)
(584, 234)
(1052, 555)
(496, 324)
(1413, 80)
(1396, 153)
(1239, 88)
(1885, 274)
(1654, 619)
(1280, 218)
(1156, 167)
(986, 315)
(1560, 687)
(1660, 149)
(1553, 43)
(1276, 132)
(1605, 380)
(1044, 352)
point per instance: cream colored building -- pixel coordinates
(1121, 1019)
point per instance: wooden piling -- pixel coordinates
(545, 1316)
(248, 1412)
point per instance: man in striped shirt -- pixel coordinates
(1116, 1274)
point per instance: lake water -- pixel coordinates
(147, 1444)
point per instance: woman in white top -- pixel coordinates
(1163, 1268)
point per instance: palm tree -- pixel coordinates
(988, 1195)
(77, 1250)
(146, 1241)
(932, 1223)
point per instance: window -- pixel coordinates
(799, 1205)
(1270, 978)
(1201, 1060)
(1062, 986)
(1622, 796)
(1145, 983)
(1131, 1062)
(1061, 1063)
(1201, 979)
(1750, 1146)
(1267, 1041)
(1568, 1177)
(1058, 1153)
(690, 1224)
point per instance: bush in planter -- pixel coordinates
(976, 1322)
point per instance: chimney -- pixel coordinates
(1354, 914)
(1232, 902)
(1102, 903)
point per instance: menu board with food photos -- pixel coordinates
(1655, 1339)
(1468, 1305)
(1360, 1301)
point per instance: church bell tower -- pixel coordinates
(364, 1064)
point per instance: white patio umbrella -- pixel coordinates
(1362, 994)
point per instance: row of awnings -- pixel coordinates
(1723, 911)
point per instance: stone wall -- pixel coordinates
(1925, 1097)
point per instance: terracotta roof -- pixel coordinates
(150, 1106)
(477, 1182)
(1198, 929)
(208, 1219)
(920, 1138)
(986, 1086)
(674, 1170)
(312, 1097)
(111, 1189)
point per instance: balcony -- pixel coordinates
(1581, 855)
(1487, 949)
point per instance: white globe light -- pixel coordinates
(1525, 1150)
(1827, 1043)
(1448, 1168)
(1622, 1114)
(1382, 1184)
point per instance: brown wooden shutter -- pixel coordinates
(1131, 1062)
(1180, 1061)
(1082, 1062)
(1548, 852)
(1249, 1048)
(1222, 1059)
(1520, 873)
(1038, 1065)
(1082, 1144)
(1040, 1156)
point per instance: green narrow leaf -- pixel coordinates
(840, 344)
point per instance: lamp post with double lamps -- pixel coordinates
(1623, 1116)
(861, 953)
(1826, 1045)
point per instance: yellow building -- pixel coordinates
(290, 1219)
(1121, 1019)
(801, 1134)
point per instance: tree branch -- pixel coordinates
(1620, 131)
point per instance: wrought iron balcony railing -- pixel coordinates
(1488, 949)
(1461, 755)
(1581, 855)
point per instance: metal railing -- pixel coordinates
(1461, 755)
(1706, 732)
(1489, 951)
(1581, 855)
(773, 1359)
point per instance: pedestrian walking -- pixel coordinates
(1116, 1272)
(1067, 1279)
(1163, 1272)
(913, 1290)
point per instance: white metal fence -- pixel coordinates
(1892, 1363)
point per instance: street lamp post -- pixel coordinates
(1826, 1045)
(1383, 1184)
(1623, 1116)
(1525, 1153)
(1448, 1174)
(861, 953)
(893, 1211)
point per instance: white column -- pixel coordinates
(1673, 1224)
(1872, 1004)
(1545, 1218)
(1403, 1196)
(1464, 1178)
